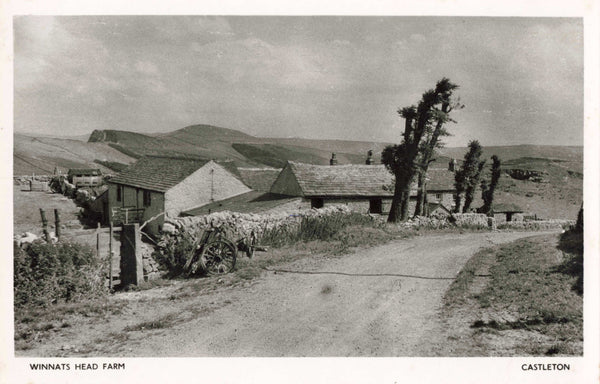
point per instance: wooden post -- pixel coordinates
(45, 225)
(57, 223)
(98, 241)
(110, 257)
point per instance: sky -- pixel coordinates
(521, 79)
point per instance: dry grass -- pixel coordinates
(519, 287)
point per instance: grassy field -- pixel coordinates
(518, 299)
(27, 206)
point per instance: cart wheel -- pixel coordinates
(218, 257)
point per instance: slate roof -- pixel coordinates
(259, 179)
(506, 208)
(158, 173)
(343, 180)
(440, 179)
(357, 180)
(85, 171)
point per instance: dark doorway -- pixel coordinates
(375, 206)
(316, 203)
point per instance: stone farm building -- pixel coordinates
(155, 185)
(84, 177)
(365, 188)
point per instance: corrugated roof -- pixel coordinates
(158, 173)
(84, 171)
(249, 202)
(359, 180)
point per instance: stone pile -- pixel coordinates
(149, 265)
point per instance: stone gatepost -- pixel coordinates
(132, 270)
(492, 223)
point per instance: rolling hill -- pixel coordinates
(40, 155)
(558, 195)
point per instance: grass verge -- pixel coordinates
(518, 299)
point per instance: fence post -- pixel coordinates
(57, 223)
(45, 225)
(132, 270)
(98, 241)
(110, 257)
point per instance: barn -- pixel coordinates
(157, 185)
(364, 188)
(85, 177)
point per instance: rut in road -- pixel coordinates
(381, 301)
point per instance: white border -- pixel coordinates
(318, 370)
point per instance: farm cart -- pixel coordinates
(216, 254)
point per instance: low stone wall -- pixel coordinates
(241, 225)
(463, 220)
(537, 225)
(25, 179)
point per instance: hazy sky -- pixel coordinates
(521, 79)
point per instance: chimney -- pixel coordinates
(333, 160)
(452, 165)
(369, 160)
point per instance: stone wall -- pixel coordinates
(243, 224)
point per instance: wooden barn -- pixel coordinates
(85, 177)
(157, 185)
(365, 188)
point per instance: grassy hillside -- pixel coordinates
(40, 155)
(568, 154)
(558, 196)
(277, 155)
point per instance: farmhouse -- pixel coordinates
(365, 188)
(84, 177)
(155, 186)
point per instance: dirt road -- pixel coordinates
(381, 301)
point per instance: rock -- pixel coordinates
(169, 228)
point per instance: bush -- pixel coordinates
(174, 251)
(48, 273)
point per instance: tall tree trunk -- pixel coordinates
(468, 199)
(457, 201)
(399, 208)
(421, 196)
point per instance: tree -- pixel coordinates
(424, 124)
(487, 190)
(467, 178)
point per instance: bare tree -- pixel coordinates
(487, 190)
(467, 178)
(424, 124)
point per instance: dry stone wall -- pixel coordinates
(241, 225)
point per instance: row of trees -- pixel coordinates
(425, 126)
(468, 177)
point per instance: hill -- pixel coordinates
(556, 193)
(40, 155)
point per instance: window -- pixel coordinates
(147, 198)
(119, 192)
(438, 196)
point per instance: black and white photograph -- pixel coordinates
(300, 187)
